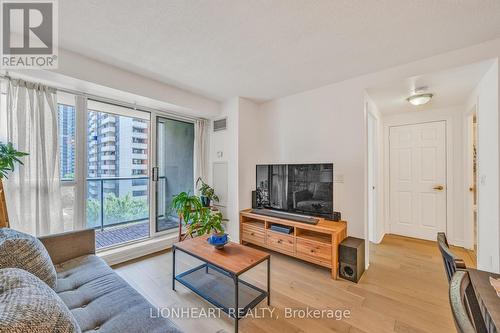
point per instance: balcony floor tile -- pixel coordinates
(128, 232)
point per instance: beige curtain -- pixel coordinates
(33, 192)
(201, 149)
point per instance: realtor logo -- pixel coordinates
(29, 34)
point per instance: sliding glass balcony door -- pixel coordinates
(117, 204)
(175, 168)
(107, 156)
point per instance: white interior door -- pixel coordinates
(418, 179)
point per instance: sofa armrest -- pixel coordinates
(69, 245)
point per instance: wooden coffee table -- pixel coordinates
(217, 279)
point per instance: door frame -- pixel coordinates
(468, 173)
(415, 118)
(372, 177)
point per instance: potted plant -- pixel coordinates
(8, 158)
(198, 219)
(211, 223)
(207, 193)
(187, 207)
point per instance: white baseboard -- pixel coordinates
(380, 238)
(136, 250)
(462, 243)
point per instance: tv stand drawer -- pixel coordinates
(253, 234)
(314, 251)
(280, 242)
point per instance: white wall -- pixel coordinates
(329, 124)
(224, 148)
(458, 226)
(324, 125)
(249, 147)
(240, 146)
(486, 98)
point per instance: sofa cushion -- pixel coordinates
(20, 250)
(100, 299)
(27, 304)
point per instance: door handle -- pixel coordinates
(154, 173)
(438, 187)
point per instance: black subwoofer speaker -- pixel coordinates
(352, 258)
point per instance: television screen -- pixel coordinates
(297, 188)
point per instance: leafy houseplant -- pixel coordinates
(8, 158)
(200, 220)
(207, 193)
(187, 206)
(210, 222)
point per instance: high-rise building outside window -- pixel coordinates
(66, 115)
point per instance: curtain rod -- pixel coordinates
(173, 114)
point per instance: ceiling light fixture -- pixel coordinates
(419, 98)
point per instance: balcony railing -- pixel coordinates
(118, 207)
(111, 201)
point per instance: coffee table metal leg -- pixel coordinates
(173, 268)
(236, 313)
(269, 281)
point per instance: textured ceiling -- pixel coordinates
(266, 49)
(451, 87)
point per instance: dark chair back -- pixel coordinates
(464, 305)
(451, 262)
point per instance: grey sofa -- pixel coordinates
(317, 198)
(99, 299)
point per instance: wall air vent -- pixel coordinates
(220, 124)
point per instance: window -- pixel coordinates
(138, 130)
(138, 140)
(104, 165)
(111, 171)
(139, 182)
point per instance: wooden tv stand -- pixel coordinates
(317, 243)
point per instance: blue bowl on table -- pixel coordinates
(218, 240)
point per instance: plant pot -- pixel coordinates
(218, 240)
(205, 201)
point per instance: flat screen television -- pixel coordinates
(305, 189)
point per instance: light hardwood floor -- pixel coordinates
(404, 291)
